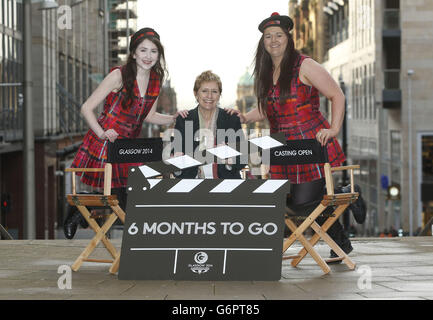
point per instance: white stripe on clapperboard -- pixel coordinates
(226, 186)
(204, 249)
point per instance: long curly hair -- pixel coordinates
(263, 75)
(129, 70)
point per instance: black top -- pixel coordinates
(224, 121)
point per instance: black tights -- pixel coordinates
(314, 190)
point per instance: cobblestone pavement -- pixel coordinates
(400, 268)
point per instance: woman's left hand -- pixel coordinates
(324, 135)
(182, 113)
(232, 111)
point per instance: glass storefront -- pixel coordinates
(11, 70)
(427, 182)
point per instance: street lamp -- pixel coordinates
(346, 217)
(28, 133)
(344, 129)
(410, 73)
(393, 192)
(127, 28)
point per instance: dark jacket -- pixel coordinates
(224, 121)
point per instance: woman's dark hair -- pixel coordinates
(129, 70)
(263, 75)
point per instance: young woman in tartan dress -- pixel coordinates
(131, 93)
(287, 86)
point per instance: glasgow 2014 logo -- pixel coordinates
(200, 265)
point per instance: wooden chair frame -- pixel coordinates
(4, 234)
(81, 201)
(340, 202)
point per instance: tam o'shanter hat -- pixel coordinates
(276, 20)
(141, 33)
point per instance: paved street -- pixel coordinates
(400, 268)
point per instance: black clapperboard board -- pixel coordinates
(203, 229)
(206, 229)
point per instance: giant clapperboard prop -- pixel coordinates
(205, 229)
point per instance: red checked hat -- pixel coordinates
(276, 20)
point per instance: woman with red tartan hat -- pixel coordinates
(287, 86)
(131, 94)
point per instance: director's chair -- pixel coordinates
(100, 201)
(309, 212)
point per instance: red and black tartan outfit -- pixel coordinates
(299, 118)
(127, 123)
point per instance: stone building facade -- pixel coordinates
(380, 52)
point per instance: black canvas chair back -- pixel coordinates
(298, 152)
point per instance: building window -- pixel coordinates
(1, 12)
(373, 181)
(427, 158)
(338, 22)
(395, 156)
(365, 98)
(84, 83)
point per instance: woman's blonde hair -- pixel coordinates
(207, 76)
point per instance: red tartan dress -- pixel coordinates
(127, 123)
(299, 118)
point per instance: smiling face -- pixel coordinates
(275, 41)
(208, 95)
(146, 55)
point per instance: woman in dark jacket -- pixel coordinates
(208, 126)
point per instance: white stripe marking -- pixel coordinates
(148, 172)
(224, 152)
(185, 185)
(154, 182)
(270, 186)
(266, 142)
(227, 186)
(183, 162)
(225, 260)
(175, 262)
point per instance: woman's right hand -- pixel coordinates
(241, 116)
(110, 135)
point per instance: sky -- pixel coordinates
(200, 35)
